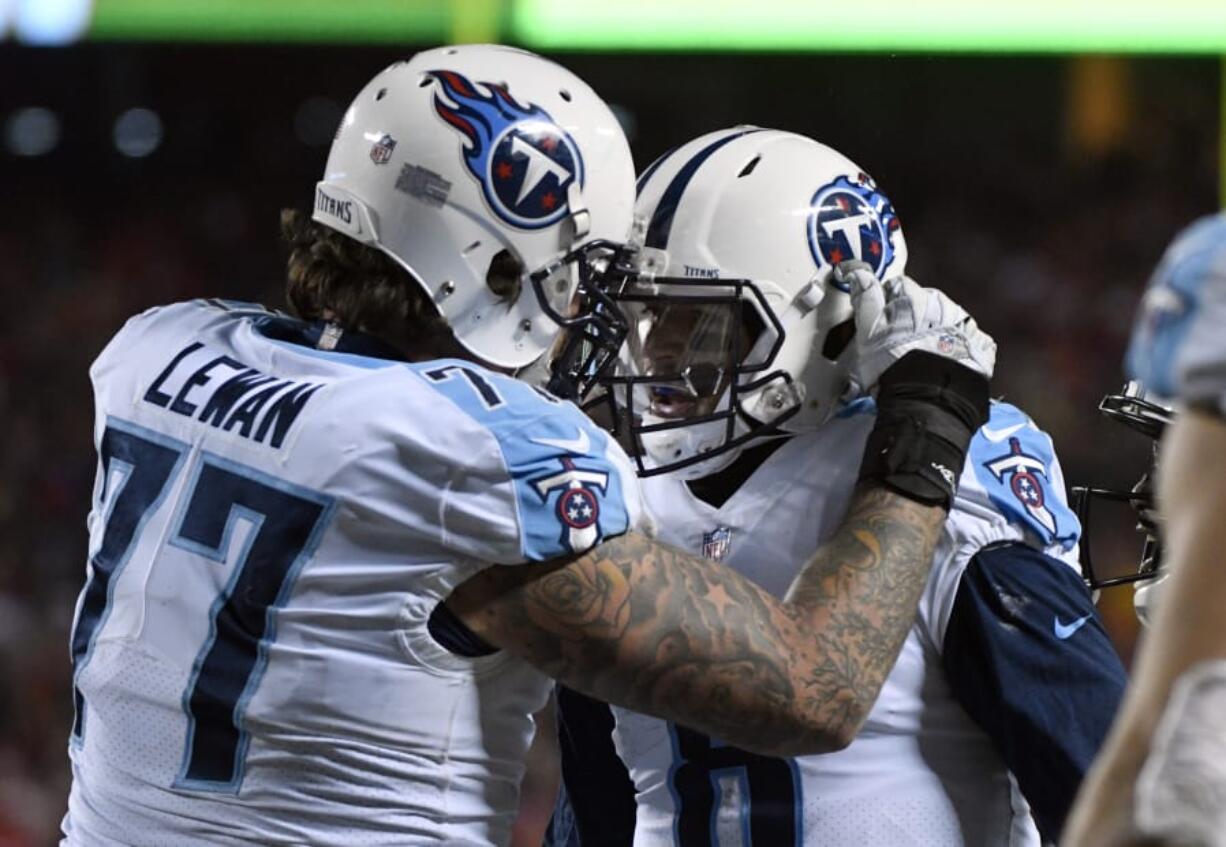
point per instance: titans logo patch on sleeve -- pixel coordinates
(578, 507)
(1025, 475)
(523, 161)
(1013, 462)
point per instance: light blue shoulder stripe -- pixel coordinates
(569, 493)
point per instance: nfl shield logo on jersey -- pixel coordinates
(715, 543)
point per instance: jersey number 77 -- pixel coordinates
(139, 467)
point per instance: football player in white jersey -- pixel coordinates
(334, 557)
(743, 349)
(1162, 777)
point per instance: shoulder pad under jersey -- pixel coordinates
(573, 486)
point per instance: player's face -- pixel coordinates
(693, 349)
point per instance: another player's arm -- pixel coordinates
(1189, 625)
(643, 625)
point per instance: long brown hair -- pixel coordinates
(333, 277)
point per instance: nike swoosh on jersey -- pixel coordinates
(1001, 434)
(1063, 631)
(581, 445)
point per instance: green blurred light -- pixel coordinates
(273, 20)
(983, 26)
(1221, 135)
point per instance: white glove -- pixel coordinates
(900, 315)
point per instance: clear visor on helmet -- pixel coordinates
(694, 347)
(686, 352)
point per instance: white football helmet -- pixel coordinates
(742, 227)
(464, 154)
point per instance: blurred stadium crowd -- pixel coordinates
(1043, 220)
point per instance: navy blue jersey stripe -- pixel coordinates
(662, 221)
(651, 169)
(598, 787)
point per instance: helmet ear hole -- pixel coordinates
(504, 276)
(837, 339)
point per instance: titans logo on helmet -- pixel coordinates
(523, 161)
(851, 219)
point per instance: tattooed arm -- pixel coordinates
(649, 627)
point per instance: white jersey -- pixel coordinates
(273, 526)
(920, 772)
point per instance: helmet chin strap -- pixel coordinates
(667, 446)
(670, 445)
(1145, 597)
(538, 372)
